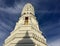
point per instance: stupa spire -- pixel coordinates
(28, 9)
(26, 31)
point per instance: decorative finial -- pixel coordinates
(28, 9)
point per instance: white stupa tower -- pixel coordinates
(26, 32)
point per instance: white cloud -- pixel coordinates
(54, 43)
(13, 10)
(2, 34)
(4, 25)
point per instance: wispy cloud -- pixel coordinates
(4, 25)
(12, 10)
(54, 43)
(15, 9)
(2, 34)
(4, 31)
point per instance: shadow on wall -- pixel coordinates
(26, 41)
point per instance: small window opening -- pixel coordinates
(31, 13)
(26, 21)
(24, 13)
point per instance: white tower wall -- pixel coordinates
(26, 32)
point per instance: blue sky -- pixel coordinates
(47, 13)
